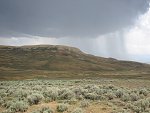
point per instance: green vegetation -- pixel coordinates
(34, 98)
(62, 107)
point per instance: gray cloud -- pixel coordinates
(72, 18)
(110, 26)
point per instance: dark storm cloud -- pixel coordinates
(81, 18)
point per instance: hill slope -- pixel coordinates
(45, 59)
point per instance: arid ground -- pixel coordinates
(102, 95)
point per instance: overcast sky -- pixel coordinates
(108, 28)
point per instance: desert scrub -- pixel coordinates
(148, 99)
(143, 91)
(8, 103)
(51, 94)
(34, 98)
(125, 97)
(44, 110)
(79, 91)
(92, 96)
(37, 88)
(3, 93)
(92, 88)
(101, 91)
(109, 86)
(79, 97)
(66, 94)
(72, 101)
(19, 106)
(78, 110)
(119, 93)
(143, 104)
(137, 109)
(84, 104)
(110, 95)
(130, 106)
(139, 106)
(71, 92)
(21, 93)
(1, 101)
(134, 96)
(62, 107)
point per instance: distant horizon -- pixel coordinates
(74, 47)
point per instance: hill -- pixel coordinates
(61, 61)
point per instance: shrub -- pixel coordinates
(143, 103)
(62, 107)
(37, 87)
(93, 88)
(3, 93)
(92, 96)
(19, 106)
(48, 99)
(8, 103)
(148, 99)
(134, 97)
(119, 93)
(136, 109)
(101, 91)
(66, 94)
(1, 101)
(79, 97)
(84, 103)
(144, 92)
(20, 93)
(139, 106)
(72, 101)
(34, 98)
(77, 110)
(129, 106)
(51, 94)
(110, 95)
(110, 86)
(78, 90)
(125, 97)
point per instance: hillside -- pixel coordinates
(47, 60)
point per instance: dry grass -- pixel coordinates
(30, 62)
(93, 108)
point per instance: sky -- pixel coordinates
(107, 28)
